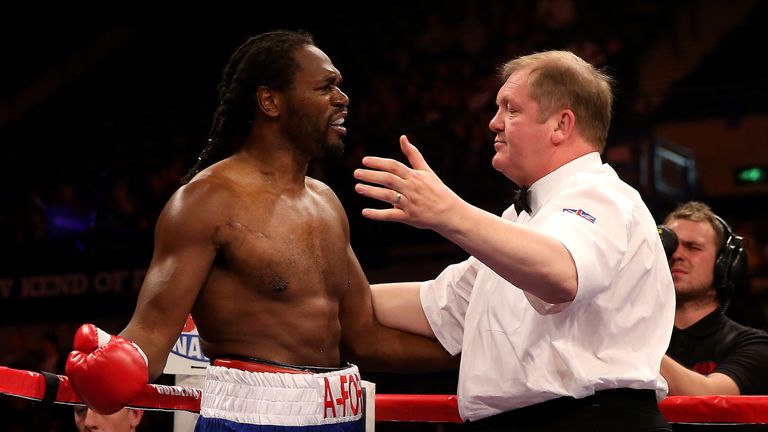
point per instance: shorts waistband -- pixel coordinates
(280, 398)
(254, 364)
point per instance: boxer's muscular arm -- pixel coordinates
(376, 347)
(185, 247)
(106, 371)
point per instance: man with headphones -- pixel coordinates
(709, 353)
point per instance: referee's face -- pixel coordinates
(523, 143)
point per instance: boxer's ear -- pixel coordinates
(269, 101)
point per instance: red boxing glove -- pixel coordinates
(106, 371)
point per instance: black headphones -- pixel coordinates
(730, 269)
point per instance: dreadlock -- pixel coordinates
(263, 60)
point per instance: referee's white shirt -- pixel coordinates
(518, 350)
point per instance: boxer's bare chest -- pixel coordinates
(293, 247)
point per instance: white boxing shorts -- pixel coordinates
(249, 396)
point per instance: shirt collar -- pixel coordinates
(707, 325)
(541, 189)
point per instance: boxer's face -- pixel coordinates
(693, 261)
(316, 105)
(124, 420)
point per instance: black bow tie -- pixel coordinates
(522, 200)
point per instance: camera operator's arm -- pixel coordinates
(685, 382)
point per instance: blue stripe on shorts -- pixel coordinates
(220, 425)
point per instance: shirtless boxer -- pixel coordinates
(259, 253)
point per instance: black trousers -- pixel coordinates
(616, 410)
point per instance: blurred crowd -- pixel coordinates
(428, 72)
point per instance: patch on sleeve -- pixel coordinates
(581, 213)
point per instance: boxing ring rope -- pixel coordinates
(33, 385)
(389, 407)
(676, 409)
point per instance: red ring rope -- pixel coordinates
(31, 385)
(397, 407)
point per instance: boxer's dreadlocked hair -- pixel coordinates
(263, 60)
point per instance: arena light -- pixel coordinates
(753, 174)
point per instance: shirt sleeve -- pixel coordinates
(591, 222)
(445, 301)
(746, 364)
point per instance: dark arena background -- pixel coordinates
(103, 108)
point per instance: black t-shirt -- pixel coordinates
(718, 344)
